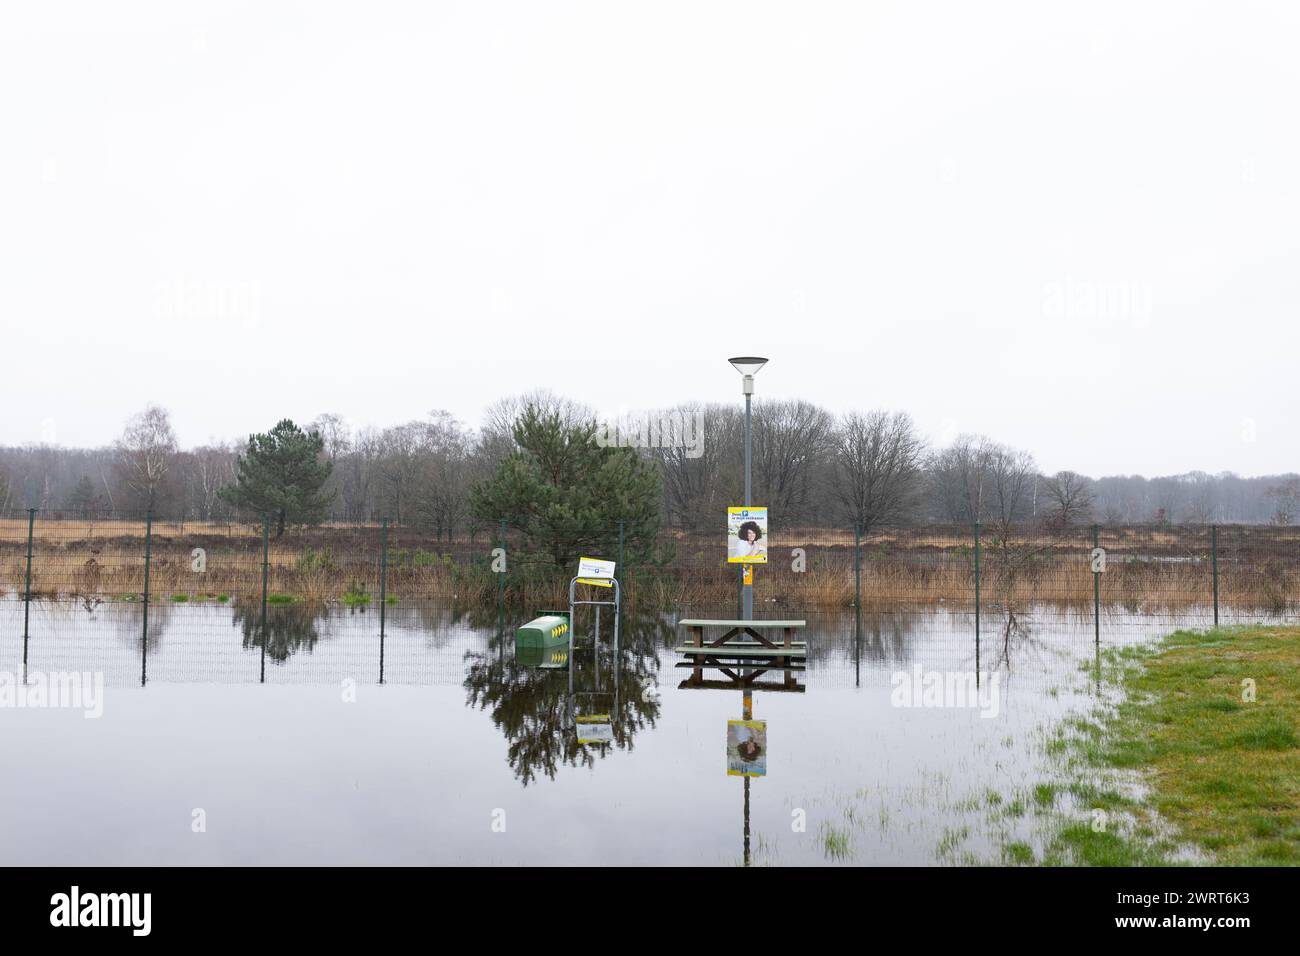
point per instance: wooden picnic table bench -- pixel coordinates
(725, 651)
(734, 629)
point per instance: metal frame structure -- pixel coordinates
(595, 643)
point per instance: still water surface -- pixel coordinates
(465, 755)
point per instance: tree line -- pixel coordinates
(811, 467)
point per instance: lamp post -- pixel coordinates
(748, 366)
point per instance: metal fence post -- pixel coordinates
(619, 575)
(977, 587)
(383, 596)
(266, 570)
(27, 588)
(1214, 566)
(144, 637)
(1096, 589)
(501, 578)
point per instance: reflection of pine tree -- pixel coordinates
(289, 627)
(532, 708)
(128, 621)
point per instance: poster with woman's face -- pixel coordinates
(747, 748)
(747, 535)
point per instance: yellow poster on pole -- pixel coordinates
(747, 535)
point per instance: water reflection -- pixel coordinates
(290, 628)
(533, 708)
(128, 622)
(880, 782)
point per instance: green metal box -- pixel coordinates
(547, 631)
(548, 659)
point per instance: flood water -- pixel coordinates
(466, 755)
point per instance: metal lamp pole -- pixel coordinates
(747, 366)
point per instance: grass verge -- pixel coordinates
(1209, 721)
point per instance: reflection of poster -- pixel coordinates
(747, 748)
(747, 535)
(594, 729)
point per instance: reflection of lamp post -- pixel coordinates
(748, 366)
(747, 714)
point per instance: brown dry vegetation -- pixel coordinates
(1149, 569)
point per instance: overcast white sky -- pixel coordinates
(1072, 227)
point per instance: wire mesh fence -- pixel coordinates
(142, 598)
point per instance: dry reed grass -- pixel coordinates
(1148, 568)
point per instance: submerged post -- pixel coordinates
(1096, 588)
(144, 637)
(857, 602)
(383, 596)
(27, 588)
(266, 570)
(977, 587)
(1214, 566)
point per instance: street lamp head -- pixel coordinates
(747, 364)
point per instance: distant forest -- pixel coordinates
(811, 467)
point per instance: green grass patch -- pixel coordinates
(280, 599)
(356, 596)
(835, 842)
(180, 598)
(1210, 721)
(1018, 854)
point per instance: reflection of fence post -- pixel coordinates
(144, 637)
(857, 576)
(857, 603)
(1096, 588)
(1214, 568)
(27, 588)
(266, 570)
(977, 586)
(383, 596)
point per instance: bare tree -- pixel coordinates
(334, 429)
(1012, 485)
(1071, 497)
(442, 492)
(701, 481)
(876, 470)
(959, 476)
(212, 468)
(145, 452)
(1286, 501)
(791, 440)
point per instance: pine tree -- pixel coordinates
(567, 494)
(82, 498)
(281, 477)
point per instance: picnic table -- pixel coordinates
(731, 653)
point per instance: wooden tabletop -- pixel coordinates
(700, 622)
